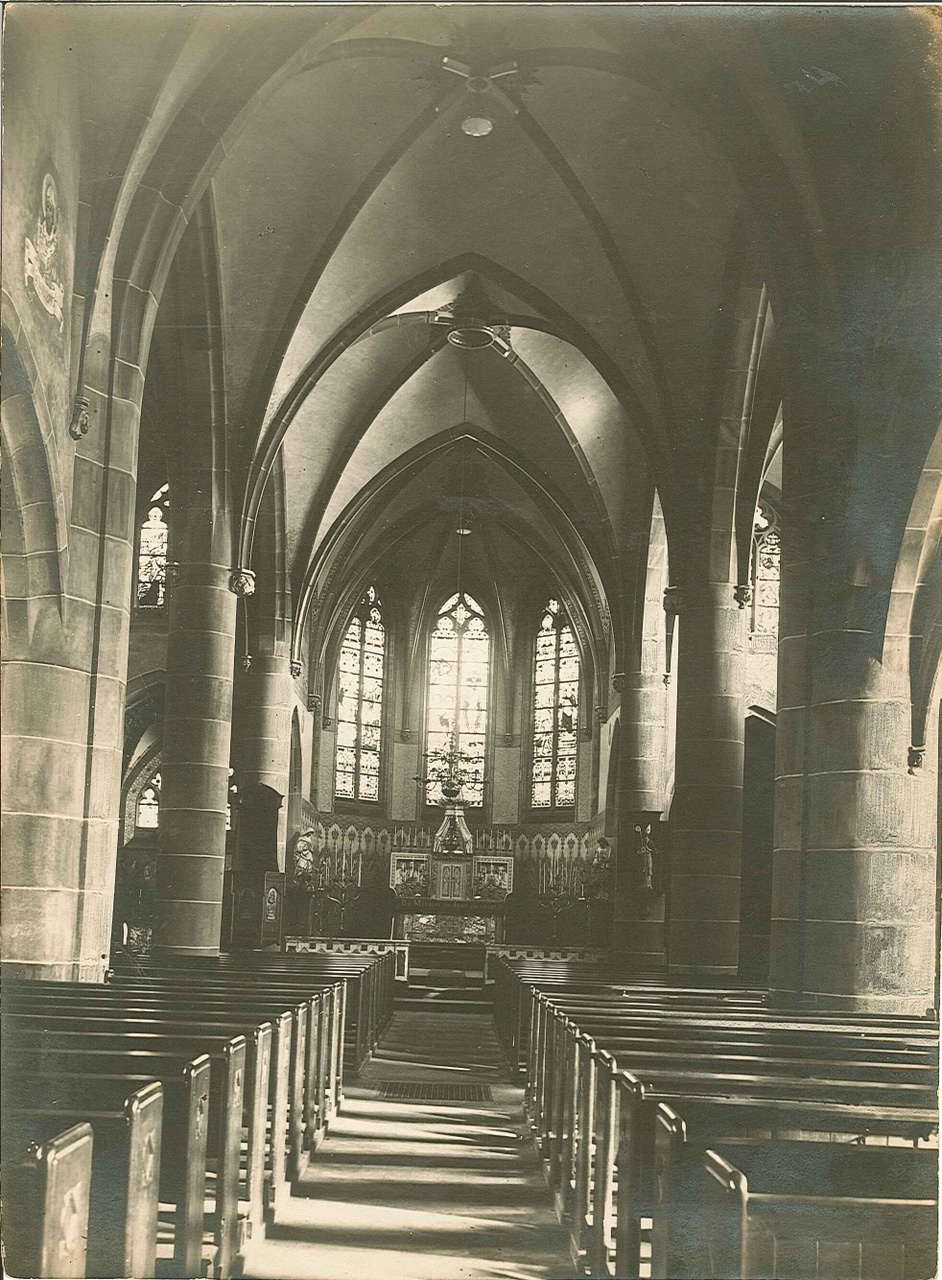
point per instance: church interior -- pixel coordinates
(472, 618)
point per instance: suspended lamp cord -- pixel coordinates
(461, 524)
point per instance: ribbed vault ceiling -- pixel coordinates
(596, 218)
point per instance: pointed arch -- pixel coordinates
(458, 693)
(588, 585)
(360, 700)
(555, 711)
(557, 322)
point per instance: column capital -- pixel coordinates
(242, 582)
(673, 601)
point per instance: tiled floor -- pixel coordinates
(418, 1190)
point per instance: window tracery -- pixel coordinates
(555, 712)
(153, 545)
(459, 670)
(148, 805)
(766, 571)
(360, 703)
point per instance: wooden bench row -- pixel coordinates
(613, 1082)
(370, 980)
(246, 1065)
(603, 989)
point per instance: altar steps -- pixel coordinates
(445, 991)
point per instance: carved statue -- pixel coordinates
(645, 856)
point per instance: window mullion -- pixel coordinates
(459, 637)
(554, 766)
(358, 749)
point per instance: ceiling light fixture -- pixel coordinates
(477, 126)
(472, 334)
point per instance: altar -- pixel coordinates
(450, 899)
(450, 893)
(433, 920)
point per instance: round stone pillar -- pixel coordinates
(706, 813)
(264, 720)
(639, 905)
(854, 882)
(195, 760)
(263, 735)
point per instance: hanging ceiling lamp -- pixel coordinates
(480, 123)
(477, 126)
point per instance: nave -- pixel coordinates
(664, 1131)
(420, 1189)
(471, 483)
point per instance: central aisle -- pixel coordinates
(420, 1190)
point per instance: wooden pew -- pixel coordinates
(370, 980)
(322, 1090)
(103, 1011)
(122, 1219)
(648, 1006)
(628, 1031)
(322, 1080)
(621, 1115)
(46, 1190)
(55, 1035)
(808, 1208)
(681, 1142)
(305, 1069)
(101, 1055)
(185, 1124)
(254, 988)
(316, 1077)
(563, 1104)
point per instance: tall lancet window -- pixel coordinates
(148, 805)
(152, 552)
(360, 703)
(766, 571)
(459, 666)
(555, 712)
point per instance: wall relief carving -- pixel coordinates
(41, 255)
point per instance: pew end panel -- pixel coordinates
(46, 1193)
(819, 1211)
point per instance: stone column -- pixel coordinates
(263, 729)
(853, 906)
(639, 910)
(265, 722)
(706, 813)
(195, 760)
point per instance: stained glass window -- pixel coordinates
(360, 703)
(148, 805)
(459, 665)
(555, 712)
(766, 572)
(152, 552)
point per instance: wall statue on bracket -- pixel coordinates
(41, 256)
(645, 865)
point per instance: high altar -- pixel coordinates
(451, 894)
